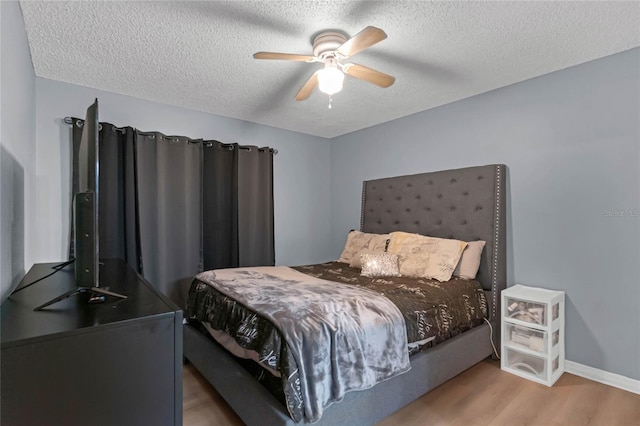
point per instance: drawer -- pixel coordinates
(525, 365)
(525, 337)
(531, 312)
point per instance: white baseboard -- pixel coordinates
(601, 376)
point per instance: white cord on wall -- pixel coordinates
(495, 351)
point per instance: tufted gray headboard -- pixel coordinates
(466, 204)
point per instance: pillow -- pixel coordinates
(358, 241)
(443, 254)
(416, 265)
(379, 265)
(356, 261)
(470, 261)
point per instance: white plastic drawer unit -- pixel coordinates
(525, 338)
(530, 312)
(530, 366)
(533, 333)
(526, 311)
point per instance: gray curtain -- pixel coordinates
(238, 184)
(172, 206)
(117, 204)
(255, 206)
(220, 190)
(169, 208)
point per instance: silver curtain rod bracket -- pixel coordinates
(69, 122)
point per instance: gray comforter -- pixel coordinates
(342, 337)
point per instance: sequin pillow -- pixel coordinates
(356, 262)
(379, 265)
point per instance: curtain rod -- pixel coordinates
(69, 122)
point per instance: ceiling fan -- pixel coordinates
(331, 48)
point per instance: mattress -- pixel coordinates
(432, 311)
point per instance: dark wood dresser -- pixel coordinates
(75, 363)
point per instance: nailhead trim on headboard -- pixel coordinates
(364, 187)
(496, 242)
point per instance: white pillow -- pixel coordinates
(470, 261)
(358, 241)
(443, 254)
(415, 265)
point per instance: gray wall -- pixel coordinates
(301, 168)
(570, 139)
(571, 142)
(17, 150)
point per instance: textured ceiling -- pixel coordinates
(198, 55)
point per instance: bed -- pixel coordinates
(466, 204)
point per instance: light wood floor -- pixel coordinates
(482, 395)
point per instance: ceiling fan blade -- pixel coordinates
(372, 76)
(364, 39)
(308, 87)
(283, 56)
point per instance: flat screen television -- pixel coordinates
(85, 216)
(85, 203)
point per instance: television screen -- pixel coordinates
(85, 203)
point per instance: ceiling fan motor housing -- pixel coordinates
(330, 47)
(327, 42)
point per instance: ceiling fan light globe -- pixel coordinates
(330, 80)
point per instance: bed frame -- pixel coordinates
(467, 204)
